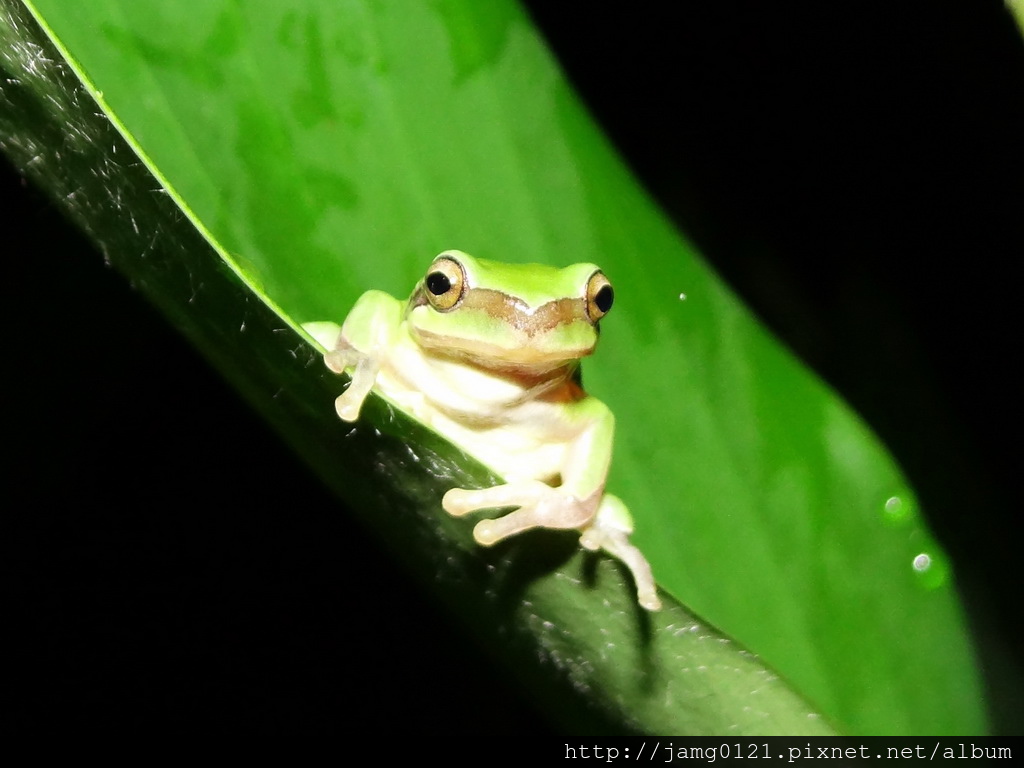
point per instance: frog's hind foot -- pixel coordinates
(610, 532)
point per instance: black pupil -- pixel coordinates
(438, 283)
(604, 298)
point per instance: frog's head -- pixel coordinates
(530, 317)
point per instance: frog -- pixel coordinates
(487, 354)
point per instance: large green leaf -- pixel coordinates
(336, 147)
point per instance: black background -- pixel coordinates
(856, 173)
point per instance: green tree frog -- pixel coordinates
(487, 354)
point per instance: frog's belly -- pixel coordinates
(525, 449)
(510, 453)
(484, 415)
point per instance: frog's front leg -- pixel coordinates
(579, 503)
(571, 505)
(602, 519)
(367, 335)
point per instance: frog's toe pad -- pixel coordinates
(458, 502)
(486, 534)
(347, 407)
(590, 539)
(650, 601)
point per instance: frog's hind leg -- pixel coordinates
(610, 532)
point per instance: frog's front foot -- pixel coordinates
(364, 374)
(540, 506)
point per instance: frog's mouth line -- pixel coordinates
(521, 358)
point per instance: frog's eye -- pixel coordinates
(445, 283)
(600, 296)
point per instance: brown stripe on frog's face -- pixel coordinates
(517, 314)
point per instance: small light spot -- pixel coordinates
(931, 569)
(897, 509)
(682, 297)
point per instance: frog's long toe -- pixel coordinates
(458, 502)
